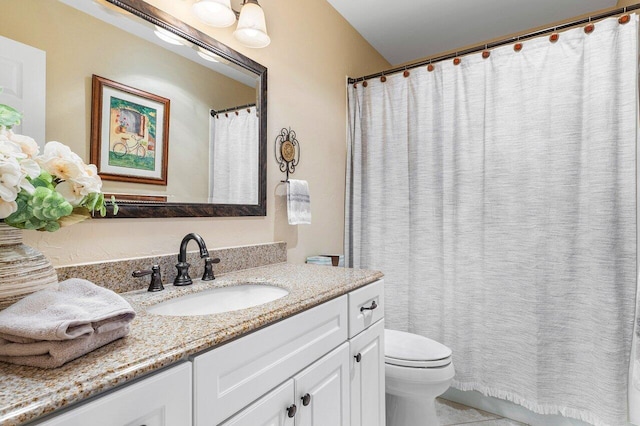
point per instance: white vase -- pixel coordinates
(23, 270)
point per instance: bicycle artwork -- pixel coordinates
(132, 142)
(122, 148)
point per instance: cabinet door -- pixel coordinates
(163, 399)
(324, 388)
(232, 376)
(367, 377)
(273, 409)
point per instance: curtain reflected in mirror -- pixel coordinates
(233, 156)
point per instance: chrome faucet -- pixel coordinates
(183, 277)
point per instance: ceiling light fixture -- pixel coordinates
(251, 30)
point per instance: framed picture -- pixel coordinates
(129, 133)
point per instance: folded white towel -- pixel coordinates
(298, 202)
(77, 308)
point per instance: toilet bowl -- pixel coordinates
(417, 371)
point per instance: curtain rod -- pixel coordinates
(502, 42)
(213, 112)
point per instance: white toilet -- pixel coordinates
(417, 371)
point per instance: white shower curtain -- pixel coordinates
(233, 158)
(498, 196)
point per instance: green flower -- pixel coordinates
(9, 116)
(42, 209)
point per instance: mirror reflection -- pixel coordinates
(212, 140)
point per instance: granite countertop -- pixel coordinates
(27, 393)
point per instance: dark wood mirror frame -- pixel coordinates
(155, 209)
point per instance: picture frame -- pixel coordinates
(129, 133)
(137, 198)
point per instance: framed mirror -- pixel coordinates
(174, 120)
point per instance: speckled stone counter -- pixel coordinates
(155, 341)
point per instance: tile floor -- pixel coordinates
(451, 413)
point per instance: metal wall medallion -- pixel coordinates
(287, 151)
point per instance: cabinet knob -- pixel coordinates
(370, 308)
(358, 357)
(291, 411)
(306, 399)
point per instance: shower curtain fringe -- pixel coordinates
(544, 409)
(485, 47)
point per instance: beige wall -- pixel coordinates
(72, 57)
(312, 51)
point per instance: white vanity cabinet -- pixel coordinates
(164, 399)
(321, 367)
(344, 387)
(318, 395)
(231, 377)
(366, 344)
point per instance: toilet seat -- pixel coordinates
(410, 350)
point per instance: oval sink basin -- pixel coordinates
(218, 300)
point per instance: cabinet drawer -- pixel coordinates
(269, 410)
(368, 296)
(230, 377)
(163, 399)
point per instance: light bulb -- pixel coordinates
(207, 56)
(168, 36)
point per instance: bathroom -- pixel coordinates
(313, 50)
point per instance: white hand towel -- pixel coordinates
(298, 202)
(78, 308)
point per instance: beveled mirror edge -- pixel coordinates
(154, 210)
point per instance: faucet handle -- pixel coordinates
(156, 278)
(208, 268)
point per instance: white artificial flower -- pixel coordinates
(28, 145)
(9, 149)
(89, 184)
(59, 161)
(30, 168)
(7, 208)
(61, 168)
(71, 192)
(10, 178)
(55, 149)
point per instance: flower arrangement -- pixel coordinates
(44, 191)
(123, 124)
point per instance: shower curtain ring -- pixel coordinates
(485, 52)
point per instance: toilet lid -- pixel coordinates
(412, 350)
